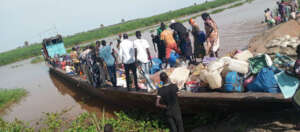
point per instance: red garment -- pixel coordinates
(169, 48)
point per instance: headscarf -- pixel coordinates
(192, 21)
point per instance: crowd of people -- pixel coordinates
(286, 10)
(101, 62)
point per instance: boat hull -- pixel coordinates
(189, 102)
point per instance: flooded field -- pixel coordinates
(49, 94)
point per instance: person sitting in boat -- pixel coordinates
(75, 60)
(126, 54)
(297, 74)
(70, 69)
(167, 100)
(143, 58)
(212, 36)
(108, 55)
(82, 58)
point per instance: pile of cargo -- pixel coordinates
(242, 71)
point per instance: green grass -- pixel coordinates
(218, 10)
(133, 121)
(9, 96)
(123, 122)
(236, 5)
(37, 59)
(34, 50)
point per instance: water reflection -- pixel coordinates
(85, 100)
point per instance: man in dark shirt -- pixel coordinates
(181, 31)
(160, 46)
(167, 99)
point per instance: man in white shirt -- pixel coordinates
(126, 55)
(143, 58)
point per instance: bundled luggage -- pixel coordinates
(264, 82)
(156, 65)
(259, 62)
(233, 82)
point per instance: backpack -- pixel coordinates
(264, 82)
(233, 82)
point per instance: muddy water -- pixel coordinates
(49, 94)
(46, 93)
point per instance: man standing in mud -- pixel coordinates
(167, 100)
(126, 55)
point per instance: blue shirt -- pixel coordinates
(105, 54)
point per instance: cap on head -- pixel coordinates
(192, 21)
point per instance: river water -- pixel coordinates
(49, 94)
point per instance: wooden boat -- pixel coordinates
(189, 102)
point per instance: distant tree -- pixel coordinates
(26, 43)
(123, 20)
(101, 26)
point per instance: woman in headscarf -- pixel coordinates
(212, 41)
(199, 39)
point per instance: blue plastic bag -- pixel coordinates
(173, 58)
(156, 65)
(264, 82)
(233, 82)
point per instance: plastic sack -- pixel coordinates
(236, 65)
(196, 71)
(203, 76)
(233, 82)
(173, 58)
(258, 62)
(243, 56)
(248, 81)
(264, 82)
(283, 60)
(156, 65)
(214, 79)
(215, 66)
(179, 76)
